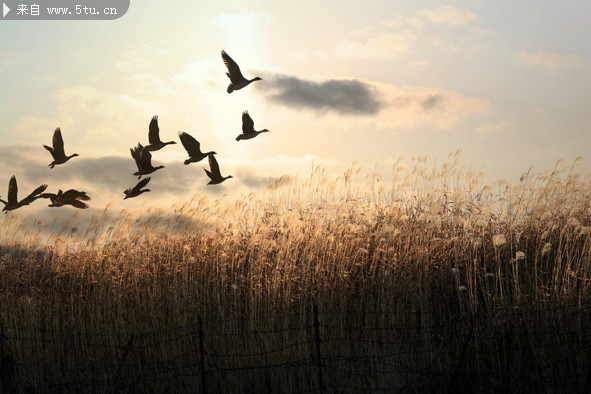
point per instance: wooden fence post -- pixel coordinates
(318, 356)
(462, 355)
(122, 360)
(202, 357)
(7, 366)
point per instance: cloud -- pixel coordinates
(242, 34)
(448, 15)
(418, 63)
(420, 106)
(493, 127)
(91, 118)
(382, 45)
(142, 58)
(401, 34)
(238, 21)
(105, 178)
(252, 178)
(351, 97)
(391, 106)
(552, 61)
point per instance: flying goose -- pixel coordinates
(248, 130)
(236, 78)
(69, 197)
(193, 148)
(136, 190)
(214, 173)
(59, 156)
(143, 160)
(154, 136)
(13, 202)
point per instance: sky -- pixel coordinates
(508, 82)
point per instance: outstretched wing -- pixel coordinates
(233, 70)
(75, 194)
(12, 191)
(247, 123)
(34, 195)
(58, 144)
(50, 149)
(50, 196)
(140, 184)
(76, 203)
(192, 146)
(214, 166)
(136, 153)
(154, 131)
(146, 158)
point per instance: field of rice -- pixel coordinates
(431, 281)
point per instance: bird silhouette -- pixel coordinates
(236, 78)
(248, 130)
(154, 136)
(59, 156)
(71, 197)
(137, 189)
(193, 148)
(12, 202)
(214, 172)
(143, 160)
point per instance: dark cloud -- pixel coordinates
(105, 179)
(251, 178)
(347, 97)
(427, 103)
(432, 101)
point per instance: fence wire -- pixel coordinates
(398, 357)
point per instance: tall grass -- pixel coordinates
(416, 260)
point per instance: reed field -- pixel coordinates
(425, 279)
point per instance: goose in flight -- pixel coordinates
(59, 156)
(69, 197)
(236, 78)
(13, 202)
(214, 172)
(248, 130)
(137, 189)
(154, 136)
(143, 160)
(193, 148)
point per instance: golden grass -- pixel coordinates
(399, 271)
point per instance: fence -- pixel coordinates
(314, 356)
